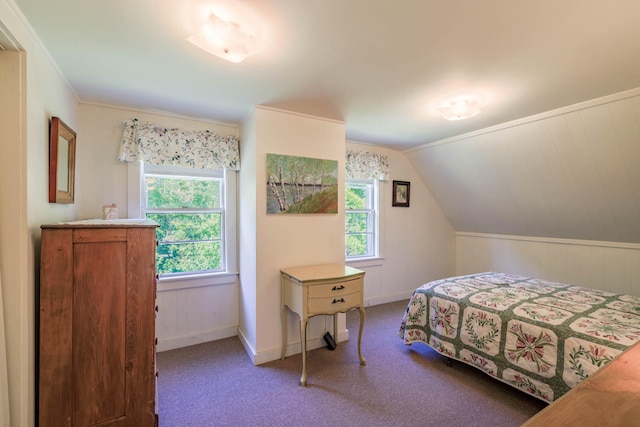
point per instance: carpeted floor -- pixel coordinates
(215, 384)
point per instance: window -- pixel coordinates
(361, 227)
(190, 206)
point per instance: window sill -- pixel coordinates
(365, 262)
(196, 281)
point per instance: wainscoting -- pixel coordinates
(197, 311)
(608, 266)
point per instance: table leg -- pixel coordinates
(362, 316)
(335, 328)
(283, 321)
(303, 341)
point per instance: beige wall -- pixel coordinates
(247, 232)
(12, 221)
(417, 243)
(103, 177)
(285, 240)
(38, 91)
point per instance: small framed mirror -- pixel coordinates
(62, 162)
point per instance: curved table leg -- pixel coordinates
(303, 341)
(283, 320)
(362, 316)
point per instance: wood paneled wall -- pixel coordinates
(571, 173)
(193, 315)
(608, 266)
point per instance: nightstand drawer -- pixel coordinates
(335, 289)
(334, 304)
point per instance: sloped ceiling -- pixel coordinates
(570, 174)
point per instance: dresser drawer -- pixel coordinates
(335, 289)
(334, 304)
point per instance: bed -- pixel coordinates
(538, 336)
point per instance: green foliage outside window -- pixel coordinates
(167, 192)
(358, 220)
(190, 233)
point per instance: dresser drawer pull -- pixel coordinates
(338, 301)
(337, 288)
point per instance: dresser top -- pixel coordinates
(609, 397)
(321, 272)
(103, 223)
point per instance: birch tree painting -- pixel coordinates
(297, 185)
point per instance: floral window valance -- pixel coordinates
(161, 146)
(366, 165)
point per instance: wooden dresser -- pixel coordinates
(610, 397)
(97, 324)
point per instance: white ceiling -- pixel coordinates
(375, 64)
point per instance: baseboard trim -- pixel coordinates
(398, 296)
(292, 348)
(273, 353)
(188, 340)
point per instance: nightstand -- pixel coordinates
(326, 289)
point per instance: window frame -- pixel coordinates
(220, 210)
(136, 172)
(374, 208)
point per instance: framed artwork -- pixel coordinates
(301, 185)
(401, 193)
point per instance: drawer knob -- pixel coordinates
(338, 301)
(337, 288)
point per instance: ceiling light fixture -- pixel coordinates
(225, 39)
(460, 107)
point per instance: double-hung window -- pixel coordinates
(361, 226)
(190, 206)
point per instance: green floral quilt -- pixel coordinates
(538, 336)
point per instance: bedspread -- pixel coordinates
(541, 337)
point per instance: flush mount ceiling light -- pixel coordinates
(460, 107)
(226, 39)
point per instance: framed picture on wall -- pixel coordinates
(401, 193)
(301, 185)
